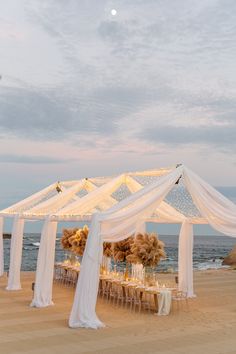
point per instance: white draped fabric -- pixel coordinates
(28, 202)
(121, 220)
(83, 313)
(45, 266)
(1, 248)
(132, 184)
(114, 225)
(58, 201)
(15, 254)
(217, 209)
(91, 200)
(185, 259)
(169, 214)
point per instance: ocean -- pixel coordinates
(207, 253)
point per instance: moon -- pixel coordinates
(113, 12)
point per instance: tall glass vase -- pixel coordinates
(149, 276)
(126, 273)
(72, 258)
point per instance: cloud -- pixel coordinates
(57, 114)
(32, 159)
(49, 114)
(155, 67)
(221, 137)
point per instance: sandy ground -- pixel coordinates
(207, 325)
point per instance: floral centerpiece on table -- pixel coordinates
(122, 249)
(146, 249)
(79, 240)
(74, 240)
(66, 239)
(106, 259)
(107, 249)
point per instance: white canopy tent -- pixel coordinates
(64, 201)
(113, 218)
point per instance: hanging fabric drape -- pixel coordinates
(116, 224)
(140, 227)
(167, 212)
(120, 221)
(90, 201)
(58, 201)
(83, 313)
(185, 259)
(1, 248)
(28, 202)
(217, 209)
(45, 266)
(15, 254)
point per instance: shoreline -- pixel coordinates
(223, 269)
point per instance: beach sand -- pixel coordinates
(207, 325)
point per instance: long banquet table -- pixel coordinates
(152, 297)
(114, 287)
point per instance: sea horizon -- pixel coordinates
(208, 251)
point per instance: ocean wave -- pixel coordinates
(210, 264)
(36, 244)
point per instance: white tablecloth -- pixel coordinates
(164, 302)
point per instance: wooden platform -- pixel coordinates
(208, 326)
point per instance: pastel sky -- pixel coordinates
(85, 93)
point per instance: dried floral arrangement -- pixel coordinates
(107, 249)
(146, 249)
(122, 249)
(79, 241)
(67, 234)
(75, 239)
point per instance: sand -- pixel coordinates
(207, 325)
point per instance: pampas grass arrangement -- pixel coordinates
(79, 240)
(74, 240)
(122, 249)
(146, 249)
(107, 249)
(67, 234)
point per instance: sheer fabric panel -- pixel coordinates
(16, 254)
(45, 266)
(185, 259)
(83, 313)
(90, 201)
(217, 209)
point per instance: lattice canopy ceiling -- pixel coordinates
(79, 199)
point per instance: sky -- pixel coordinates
(86, 93)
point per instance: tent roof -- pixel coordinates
(79, 199)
